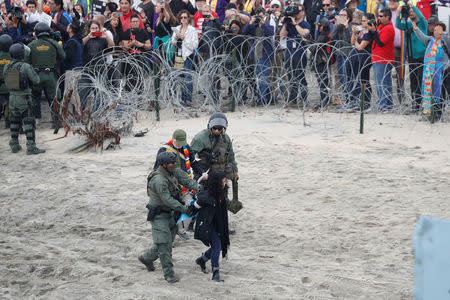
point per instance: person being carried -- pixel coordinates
(186, 162)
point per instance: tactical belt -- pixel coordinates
(46, 70)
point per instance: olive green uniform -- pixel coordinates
(5, 59)
(44, 55)
(21, 105)
(215, 152)
(163, 191)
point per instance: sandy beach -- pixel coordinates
(328, 213)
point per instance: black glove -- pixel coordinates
(192, 210)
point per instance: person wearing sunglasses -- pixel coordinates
(328, 13)
(383, 56)
(215, 151)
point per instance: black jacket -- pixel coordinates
(212, 212)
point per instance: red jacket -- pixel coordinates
(384, 54)
(125, 19)
(425, 8)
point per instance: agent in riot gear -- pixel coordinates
(5, 43)
(215, 150)
(45, 54)
(18, 75)
(164, 198)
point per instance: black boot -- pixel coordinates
(172, 278)
(216, 275)
(202, 263)
(150, 266)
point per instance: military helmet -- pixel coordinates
(166, 157)
(5, 42)
(17, 51)
(217, 119)
(42, 29)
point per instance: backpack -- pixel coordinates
(13, 80)
(12, 76)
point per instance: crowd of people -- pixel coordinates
(267, 49)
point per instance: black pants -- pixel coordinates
(324, 85)
(415, 79)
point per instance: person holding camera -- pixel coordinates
(296, 32)
(341, 35)
(45, 55)
(383, 56)
(415, 49)
(361, 61)
(185, 39)
(203, 13)
(320, 54)
(95, 43)
(328, 12)
(261, 51)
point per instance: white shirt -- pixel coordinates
(190, 42)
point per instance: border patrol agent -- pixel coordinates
(45, 54)
(5, 43)
(18, 76)
(215, 150)
(164, 192)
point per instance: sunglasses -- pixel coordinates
(219, 128)
(381, 16)
(326, 4)
(184, 17)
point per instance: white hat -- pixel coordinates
(275, 2)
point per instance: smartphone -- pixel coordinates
(97, 34)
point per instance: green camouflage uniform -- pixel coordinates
(215, 152)
(21, 105)
(45, 53)
(163, 190)
(5, 59)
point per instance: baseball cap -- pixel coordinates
(179, 136)
(275, 2)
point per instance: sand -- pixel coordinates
(329, 213)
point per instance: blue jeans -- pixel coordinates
(216, 246)
(187, 88)
(262, 76)
(383, 85)
(345, 74)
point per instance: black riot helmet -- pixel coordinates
(5, 42)
(217, 119)
(42, 29)
(166, 157)
(17, 51)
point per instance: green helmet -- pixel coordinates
(166, 157)
(217, 119)
(42, 29)
(17, 51)
(5, 42)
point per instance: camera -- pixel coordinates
(372, 23)
(56, 35)
(291, 11)
(97, 34)
(206, 16)
(405, 11)
(258, 19)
